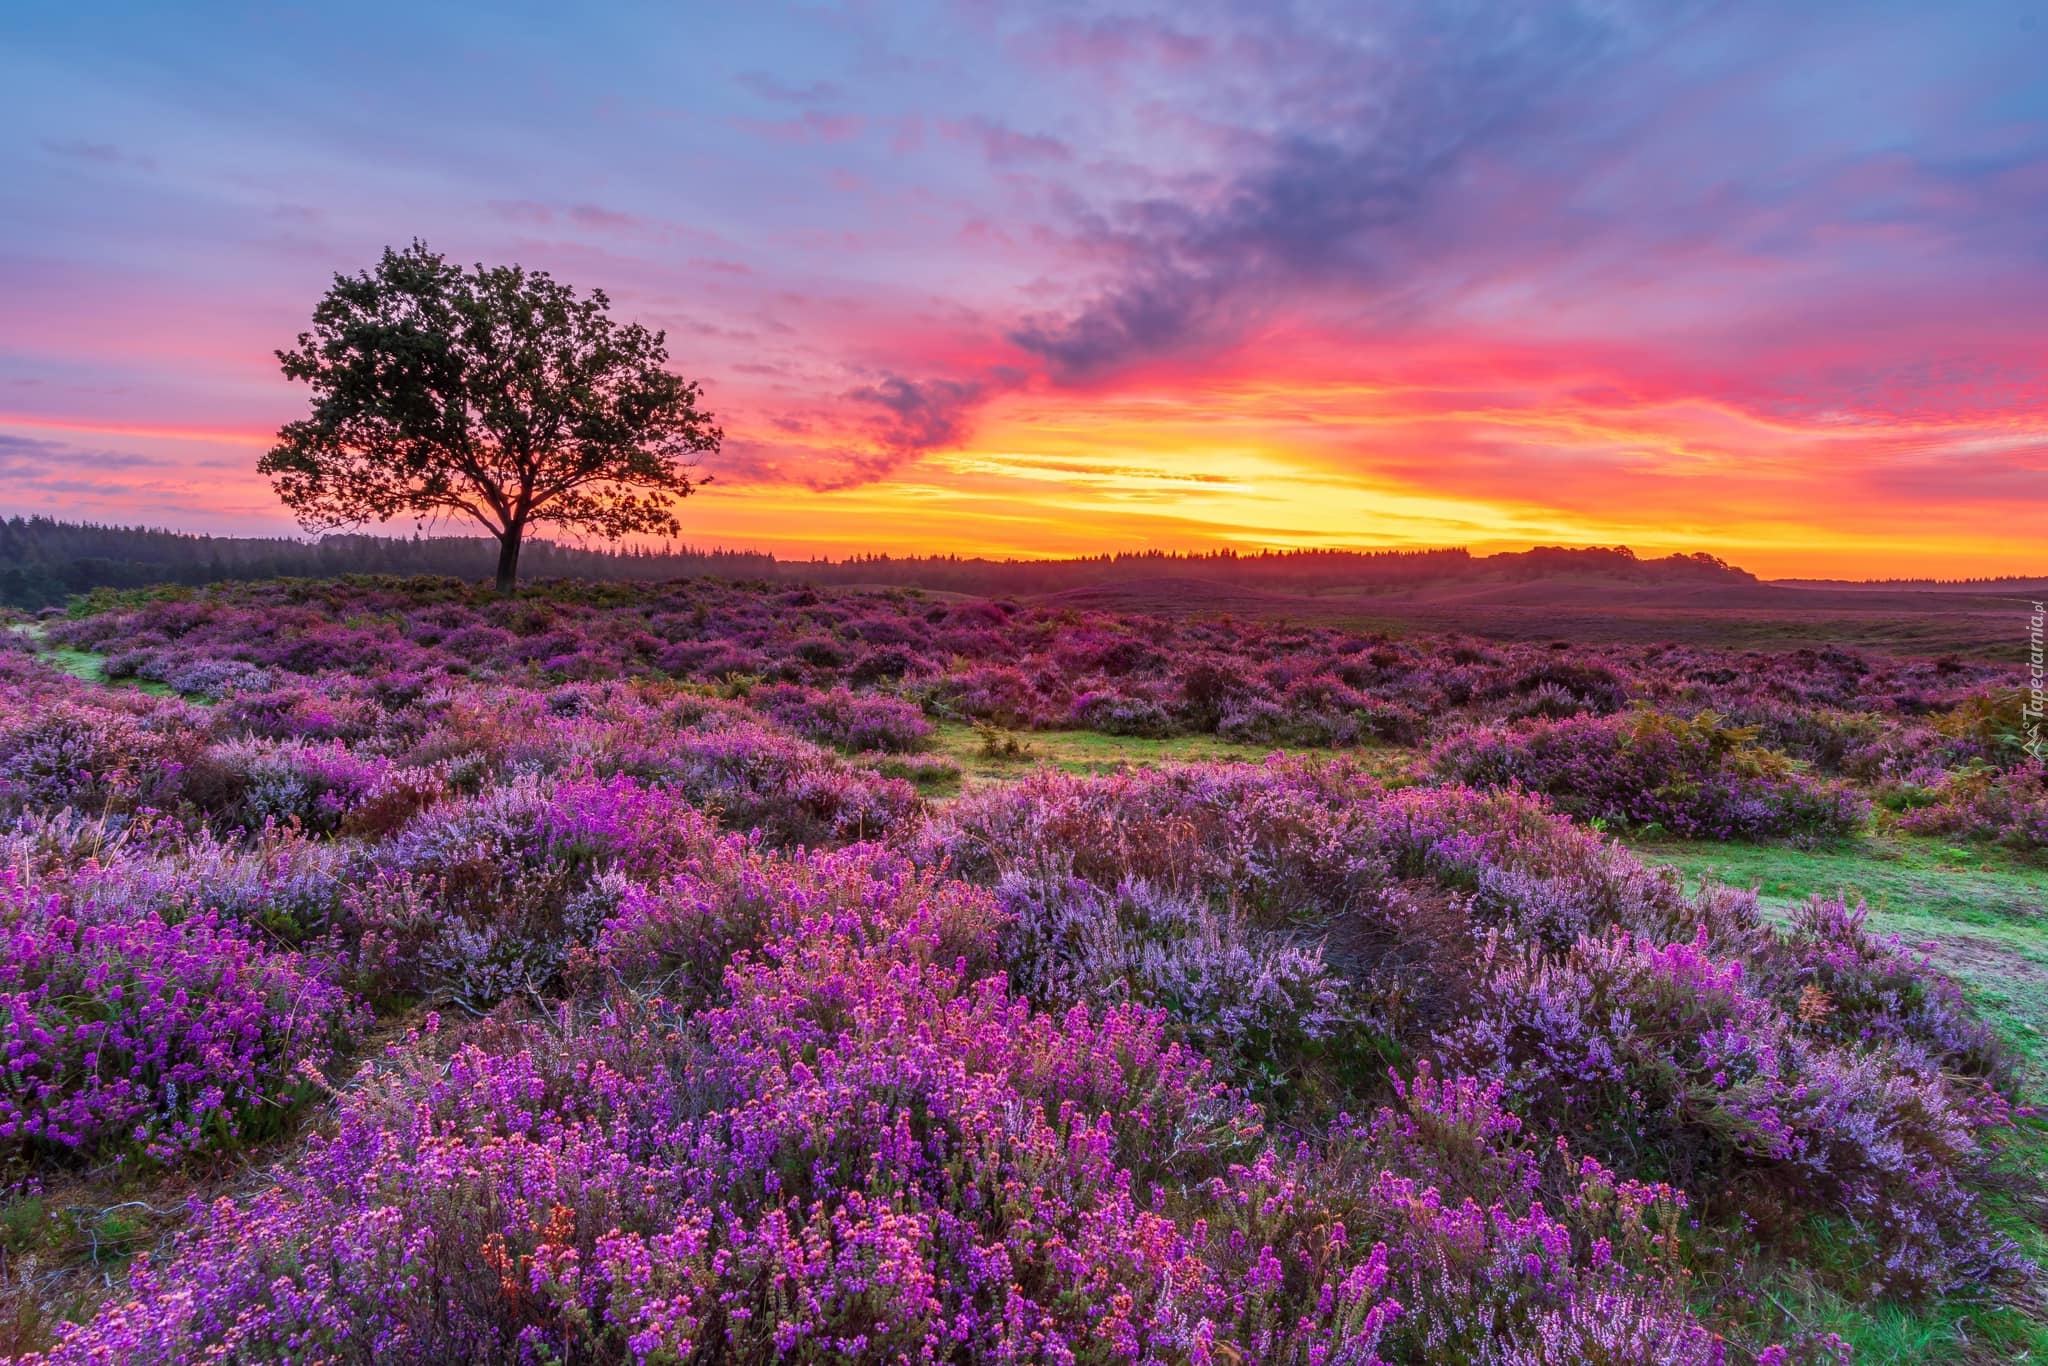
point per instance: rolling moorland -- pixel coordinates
(1587, 594)
(1161, 967)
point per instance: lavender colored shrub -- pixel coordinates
(1694, 777)
(141, 1035)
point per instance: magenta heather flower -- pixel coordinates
(142, 1035)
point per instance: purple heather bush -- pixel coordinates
(1665, 1058)
(211, 679)
(716, 754)
(2008, 807)
(731, 895)
(845, 720)
(1695, 777)
(125, 1034)
(754, 778)
(317, 786)
(280, 884)
(106, 759)
(1546, 944)
(1842, 982)
(1231, 989)
(476, 901)
(1320, 846)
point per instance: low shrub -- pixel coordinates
(148, 1036)
(1665, 1061)
(2004, 807)
(1697, 777)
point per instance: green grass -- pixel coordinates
(1078, 751)
(84, 664)
(1085, 751)
(92, 668)
(1984, 917)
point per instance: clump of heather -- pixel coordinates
(2005, 807)
(1318, 848)
(146, 1035)
(755, 778)
(715, 754)
(477, 901)
(1486, 1267)
(99, 758)
(1840, 981)
(1661, 1032)
(316, 786)
(1695, 777)
(280, 883)
(731, 895)
(1298, 919)
(211, 679)
(1232, 990)
(845, 720)
(1668, 1060)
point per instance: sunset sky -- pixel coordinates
(1765, 279)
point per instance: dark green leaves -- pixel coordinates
(495, 393)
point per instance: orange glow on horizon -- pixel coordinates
(1264, 463)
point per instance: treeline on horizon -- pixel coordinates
(44, 560)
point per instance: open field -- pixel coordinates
(653, 954)
(1984, 625)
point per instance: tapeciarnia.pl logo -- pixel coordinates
(2036, 692)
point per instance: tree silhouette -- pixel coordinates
(496, 393)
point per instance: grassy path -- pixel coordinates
(83, 664)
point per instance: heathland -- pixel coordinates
(1548, 961)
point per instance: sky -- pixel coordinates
(1764, 279)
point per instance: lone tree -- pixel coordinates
(496, 393)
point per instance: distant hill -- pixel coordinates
(43, 561)
(2007, 584)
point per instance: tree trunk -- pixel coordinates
(508, 559)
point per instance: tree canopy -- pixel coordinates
(494, 393)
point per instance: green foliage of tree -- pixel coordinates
(495, 393)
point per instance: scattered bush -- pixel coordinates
(1697, 777)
